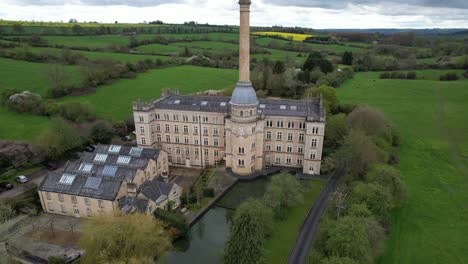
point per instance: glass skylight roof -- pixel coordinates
(262, 106)
(100, 157)
(293, 107)
(67, 179)
(135, 152)
(114, 149)
(223, 104)
(282, 107)
(86, 167)
(124, 159)
(204, 103)
(93, 183)
(109, 170)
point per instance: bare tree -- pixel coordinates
(57, 76)
(340, 198)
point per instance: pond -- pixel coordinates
(205, 241)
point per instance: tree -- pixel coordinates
(57, 76)
(6, 212)
(388, 177)
(102, 132)
(376, 197)
(135, 238)
(279, 67)
(337, 129)
(315, 59)
(347, 58)
(18, 154)
(59, 138)
(247, 234)
(77, 29)
(348, 238)
(370, 121)
(283, 192)
(330, 98)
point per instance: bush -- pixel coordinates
(72, 111)
(208, 192)
(6, 213)
(377, 198)
(450, 76)
(18, 154)
(172, 219)
(102, 132)
(59, 139)
(25, 102)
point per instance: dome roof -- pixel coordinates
(244, 94)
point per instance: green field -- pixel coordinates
(212, 46)
(432, 226)
(21, 127)
(160, 49)
(114, 101)
(281, 241)
(262, 41)
(30, 76)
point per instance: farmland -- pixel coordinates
(293, 36)
(431, 225)
(148, 86)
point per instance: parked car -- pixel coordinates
(5, 186)
(90, 148)
(22, 179)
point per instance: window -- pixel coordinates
(268, 158)
(197, 152)
(279, 124)
(301, 137)
(311, 168)
(175, 117)
(142, 119)
(50, 206)
(279, 135)
(253, 130)
(60, 197)
(195, 119)
(268, 135)
(205, 131)
(87, 202)
(215, 142)
(187, 152)
(315, 130)
(169, 150)
(299, 161)
(100, 157)
(158, 128)
(47, 195)
(241, 113)
(168, 138)
(176, 128)
(241, 163)
(166, 117)
(215, 131)
(89, 213)
(159, 138)
(300, 149)
(290, 136)
(143, 140)
(215, 120)
(177, 139)
(269, 123)
(177, 151)
(205, 142)
(186, 140)
(302, 125)
(77, 212)
(195, 141)
(216, 153)
(289, 148)
(185, 118)
(168, 129)
(241, 150)
(278, 159)
(253, 146)
(101, 203)
(288, 160)
(142, 130)
(252, 158)
(278, 148)
(205, 119)
(185, 129)
(314, 143)
(268, 147)
(313, 156)
(157, 116)
(290, 124)
(207, 153)
(195, 130)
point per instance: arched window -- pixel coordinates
(241, 163)
(241, 113)
(241, 150)
(251, 113)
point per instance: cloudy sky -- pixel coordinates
(306, 13)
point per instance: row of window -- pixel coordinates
(196, 151)
(279, 136)
(184, 118)
(283, 124)
(76, 211)
(74, 199)
(195, 141)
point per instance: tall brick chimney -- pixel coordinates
(244, 41)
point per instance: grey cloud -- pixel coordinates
(136, 3)
(341, 4)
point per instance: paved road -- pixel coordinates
(303, 244)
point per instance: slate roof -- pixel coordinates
(100, 177)
(131, 204)
(156, 190)
(220, 104)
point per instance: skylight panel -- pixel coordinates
(222, 104)
(114, 149)
(293, 107)
(100, 157)
(262, 106)
(136, 152)
(123, 159)
(67, 179)
(93, 183)
(86, 167)
(109, 170)
(204, 103)
(177, 102)
(282, 107)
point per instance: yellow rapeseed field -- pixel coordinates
(294, 36)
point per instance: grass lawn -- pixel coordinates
(281, 241)
(94, 41)
(91, 55)
(160, 49)
(22, 127)
(432, 226)
(213, 46)
(114, 101)
(30, 76)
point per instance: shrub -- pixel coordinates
(6, 213)
(25, 102)
(172, 219)
(102, 132)
(385, 75)
(411, 76)
(377, 198)
(18, 154)
(450, 76)
(59, 139)
(74, 111)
